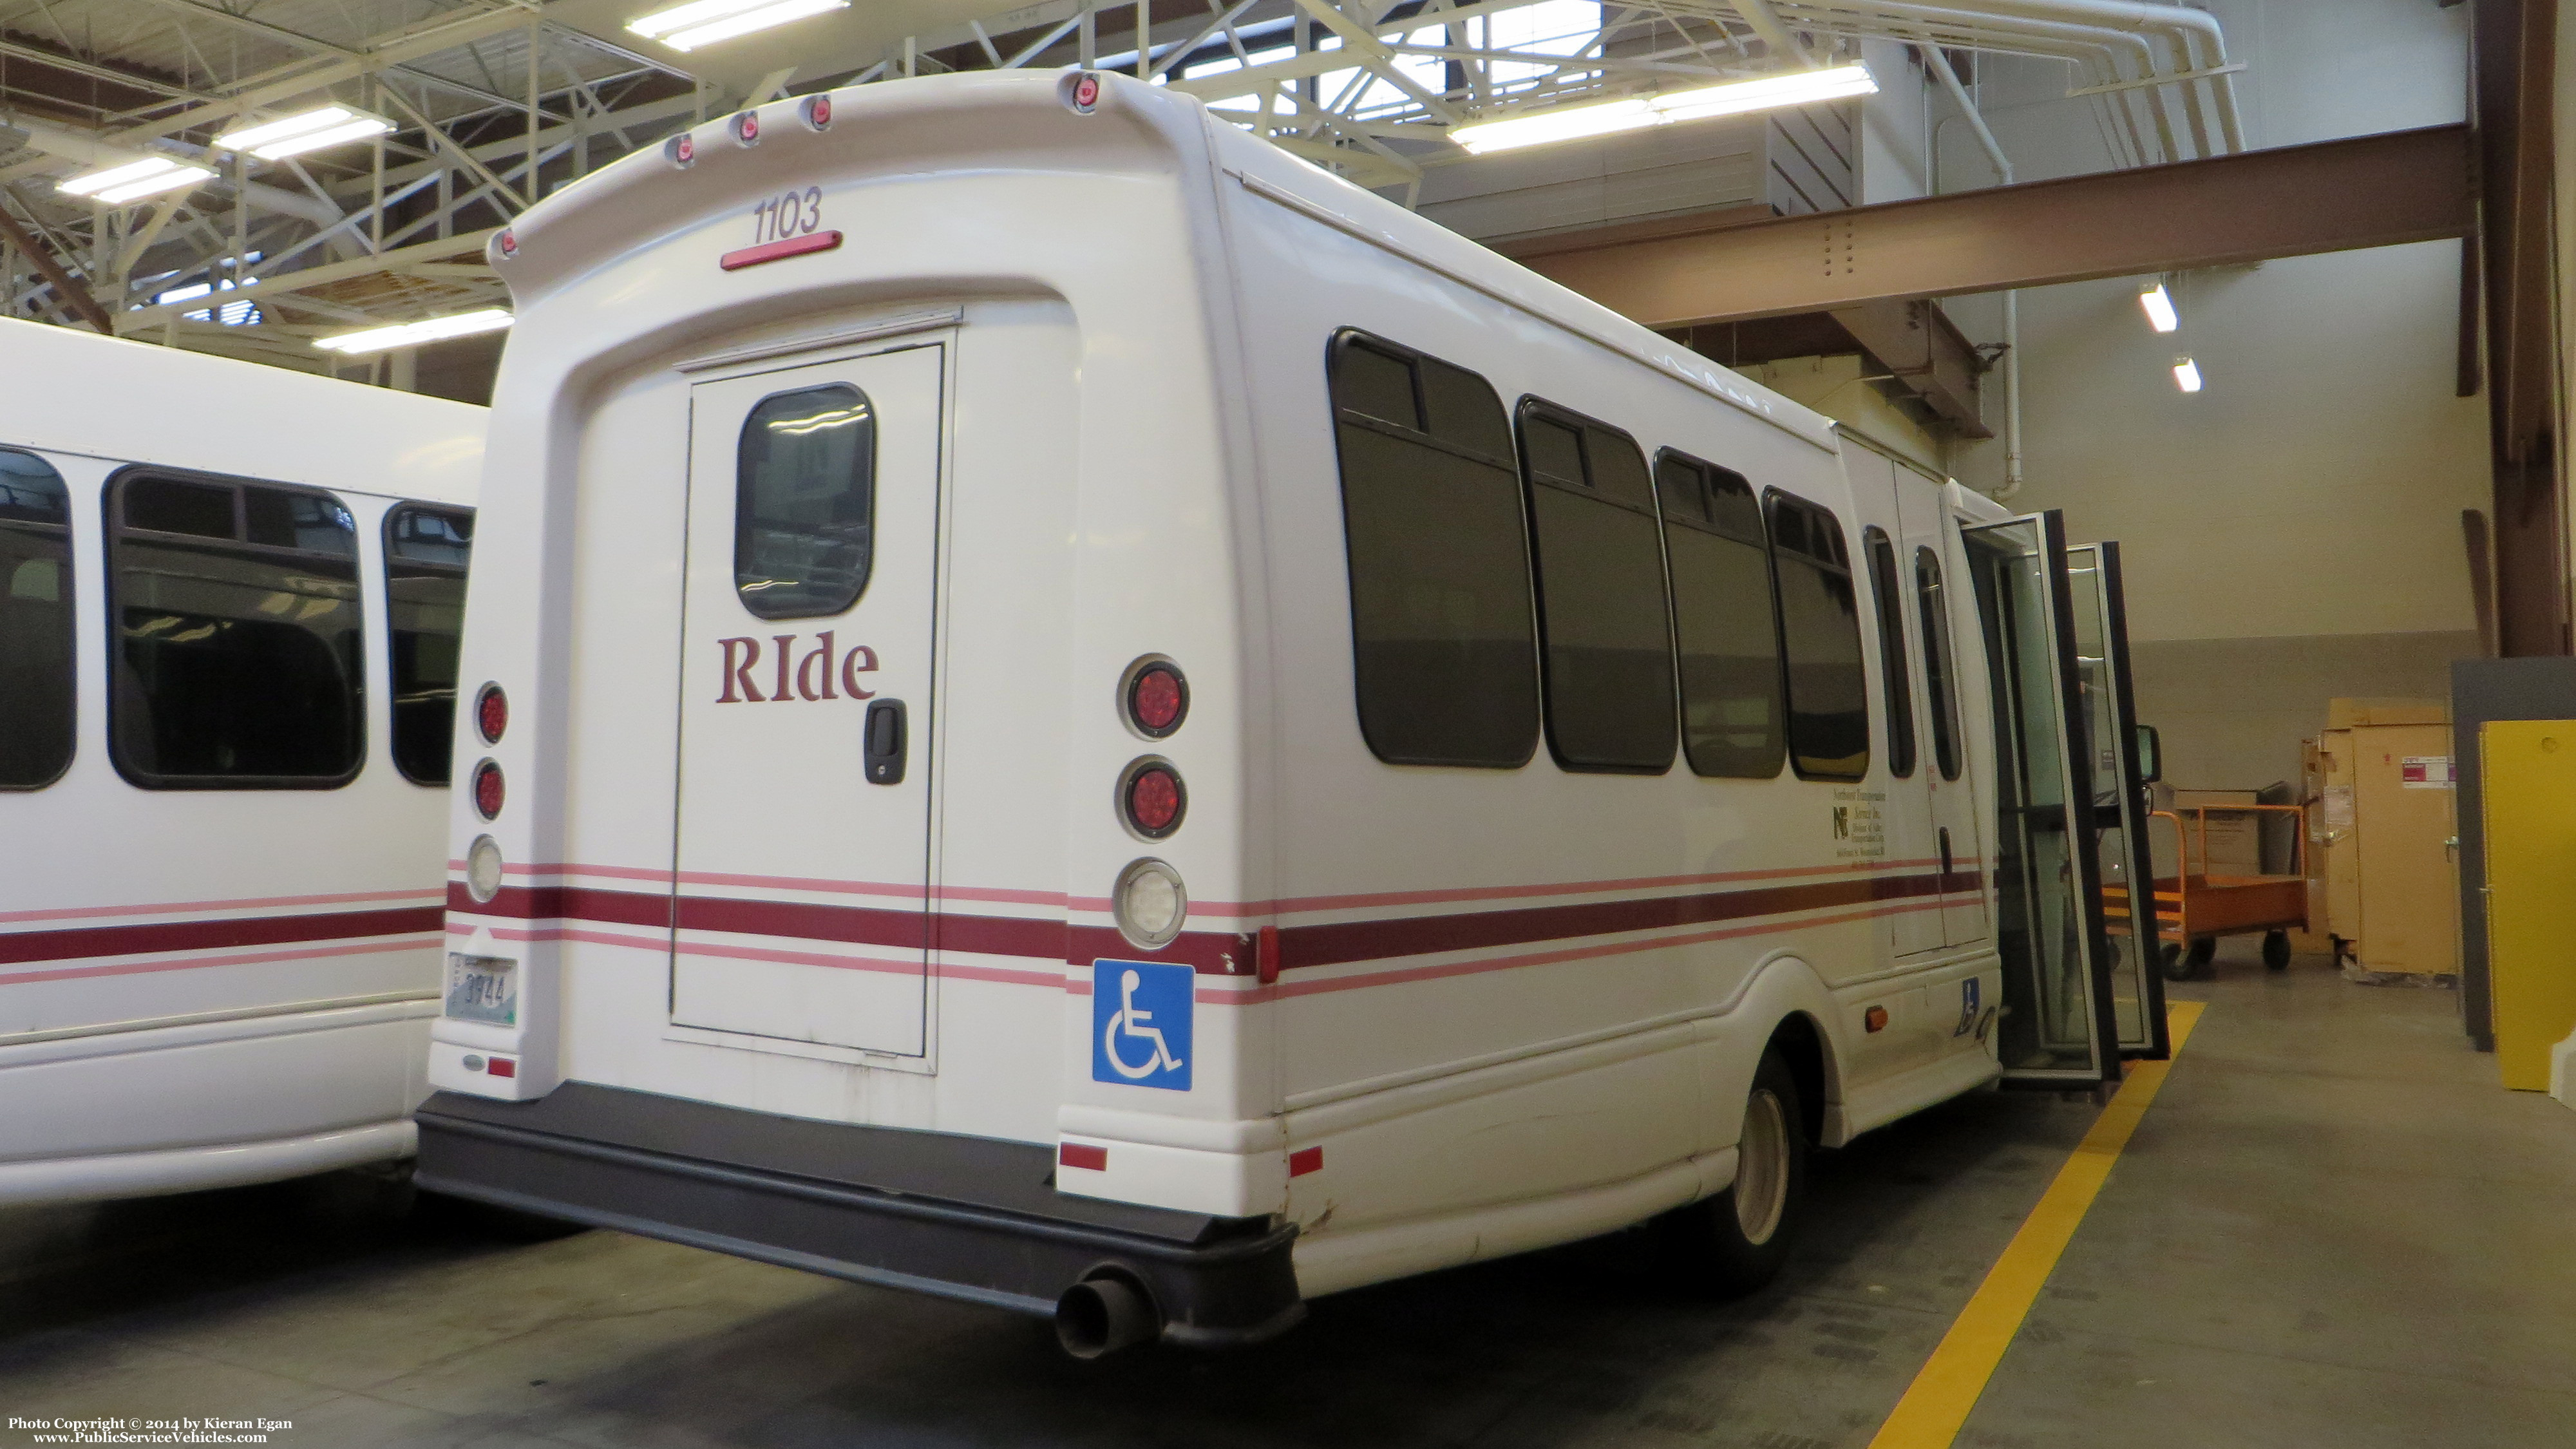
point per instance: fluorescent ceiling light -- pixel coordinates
(2186, 374)
(2159, 307)
(118, 185)
(704, 22)
(412, 334)
(1567, 123)
(311, 131)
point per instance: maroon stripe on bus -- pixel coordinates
(136, 940)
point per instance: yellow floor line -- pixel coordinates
(1936, 1404)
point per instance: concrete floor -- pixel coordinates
(2333, 1230)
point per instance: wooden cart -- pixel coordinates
(2195, 908)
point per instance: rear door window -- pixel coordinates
(426, 551)
(237, 634)
(805, 502)
(1605, 625)
(1444, 654)
(1889, 595)
(1726, 625)
(36, 648)
(1820, 634)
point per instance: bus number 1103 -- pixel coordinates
(789, 213)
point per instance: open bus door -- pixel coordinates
(2059, 1025)
(2119, 799)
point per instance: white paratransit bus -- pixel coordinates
(230, 597)
(1108, 724)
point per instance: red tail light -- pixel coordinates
(1158, 699)
(488, 789)
(1153, 799)
(491, 713)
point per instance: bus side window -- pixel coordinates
(237, 625)
(1820, 633)
(35, 622)
(426, 551)
(1937, 680)
(1888, 595)
(1724, 621)
(1443, 653)
(1605, 626)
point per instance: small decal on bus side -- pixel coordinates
(1140, 1023)
(1970, 989)
(810, 677)
(790, 213)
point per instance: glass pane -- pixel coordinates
(1618, 470)
(1366, 380)
(235, 665)
(2039, 880)
(308, 521)
(1730, 655)
(35, 622)
(1555, 451)
(1828, 685)
(1891, 655)
(805, 503)
(1465, 411)
(425, 555)
(2120, 839)
(1938, 679)
(171, 505)
(1605, 622)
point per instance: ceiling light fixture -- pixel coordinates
(311, 131)
(704, 22)
(2158, 305)
(118, 185)
(412, 334)
(1735, 98)
(2186, 374)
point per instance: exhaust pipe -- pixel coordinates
(1103, 1314)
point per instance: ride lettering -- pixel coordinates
(792, 676)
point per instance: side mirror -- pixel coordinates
(2151, 755)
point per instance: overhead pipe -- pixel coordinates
(2187, 30)
(2012, 299)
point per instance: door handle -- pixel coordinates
(882, 742)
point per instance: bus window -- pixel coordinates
(805, 502)
(1936, 662)
(35, 622)
(426, 550)
(1724, 621)
(1887, 594)
(1443, 654)
(237, 652)
(1605, 625)
(1820, 634)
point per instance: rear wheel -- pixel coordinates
(2276, 950)
(1739, 1240)
(2203, 949)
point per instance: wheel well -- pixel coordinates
(1799, 1043)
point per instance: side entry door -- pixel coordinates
(800, 908)
(2058, 1027)
(1958, 836)
(2129, 895)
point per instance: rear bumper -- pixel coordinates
(972, 1218)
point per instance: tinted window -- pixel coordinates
(1888, 595)
(1604, 622)
(1937, 674)
(425, 555)
(1442, 644)
(1724, 621)
(35, 622)
(237, 657)
(805, 502)
(1820, 634)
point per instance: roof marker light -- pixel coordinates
(746, 128)
(704, 22)
(2157, 303)
(1082, 92)
(817, 111)
(682, 149)
(507, 244)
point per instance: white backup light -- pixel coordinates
(1734, 98)
(412, 334)
(311, 131)
(704, 22)
(135, 180)
(2186, 374)
(1149, 903)
(2157, 303)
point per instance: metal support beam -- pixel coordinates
(2403, 186)
(65, 285)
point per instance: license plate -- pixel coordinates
(483, 988)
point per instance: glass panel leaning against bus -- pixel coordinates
(35, 622)
(238, 635)
(426, 552)
(805, 503)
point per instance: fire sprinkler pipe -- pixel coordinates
(1941, 67)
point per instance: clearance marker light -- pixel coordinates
(2186, 374)
(1632, 113)
(2159, 307)
(118, 185)
(412, 334)
(704, 22)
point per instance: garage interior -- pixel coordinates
(2339, 485)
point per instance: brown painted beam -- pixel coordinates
(2403, 186)
(66, 287)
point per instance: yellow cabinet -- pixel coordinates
(2529, 782)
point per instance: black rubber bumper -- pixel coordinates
(962, 1217)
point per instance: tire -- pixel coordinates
(2170, 957)
(2203, 949)
(1738, 1241)
(2276, 950)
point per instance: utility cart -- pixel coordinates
(2194, 908)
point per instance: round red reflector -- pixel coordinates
(491, 713)
(684, 149)
(487, 789)
(1154, 801)
(509, 243)
(1086, 92)
(818, 112)
(1156, 700)
(746, 127)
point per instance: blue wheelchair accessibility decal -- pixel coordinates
(1140, 1023)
